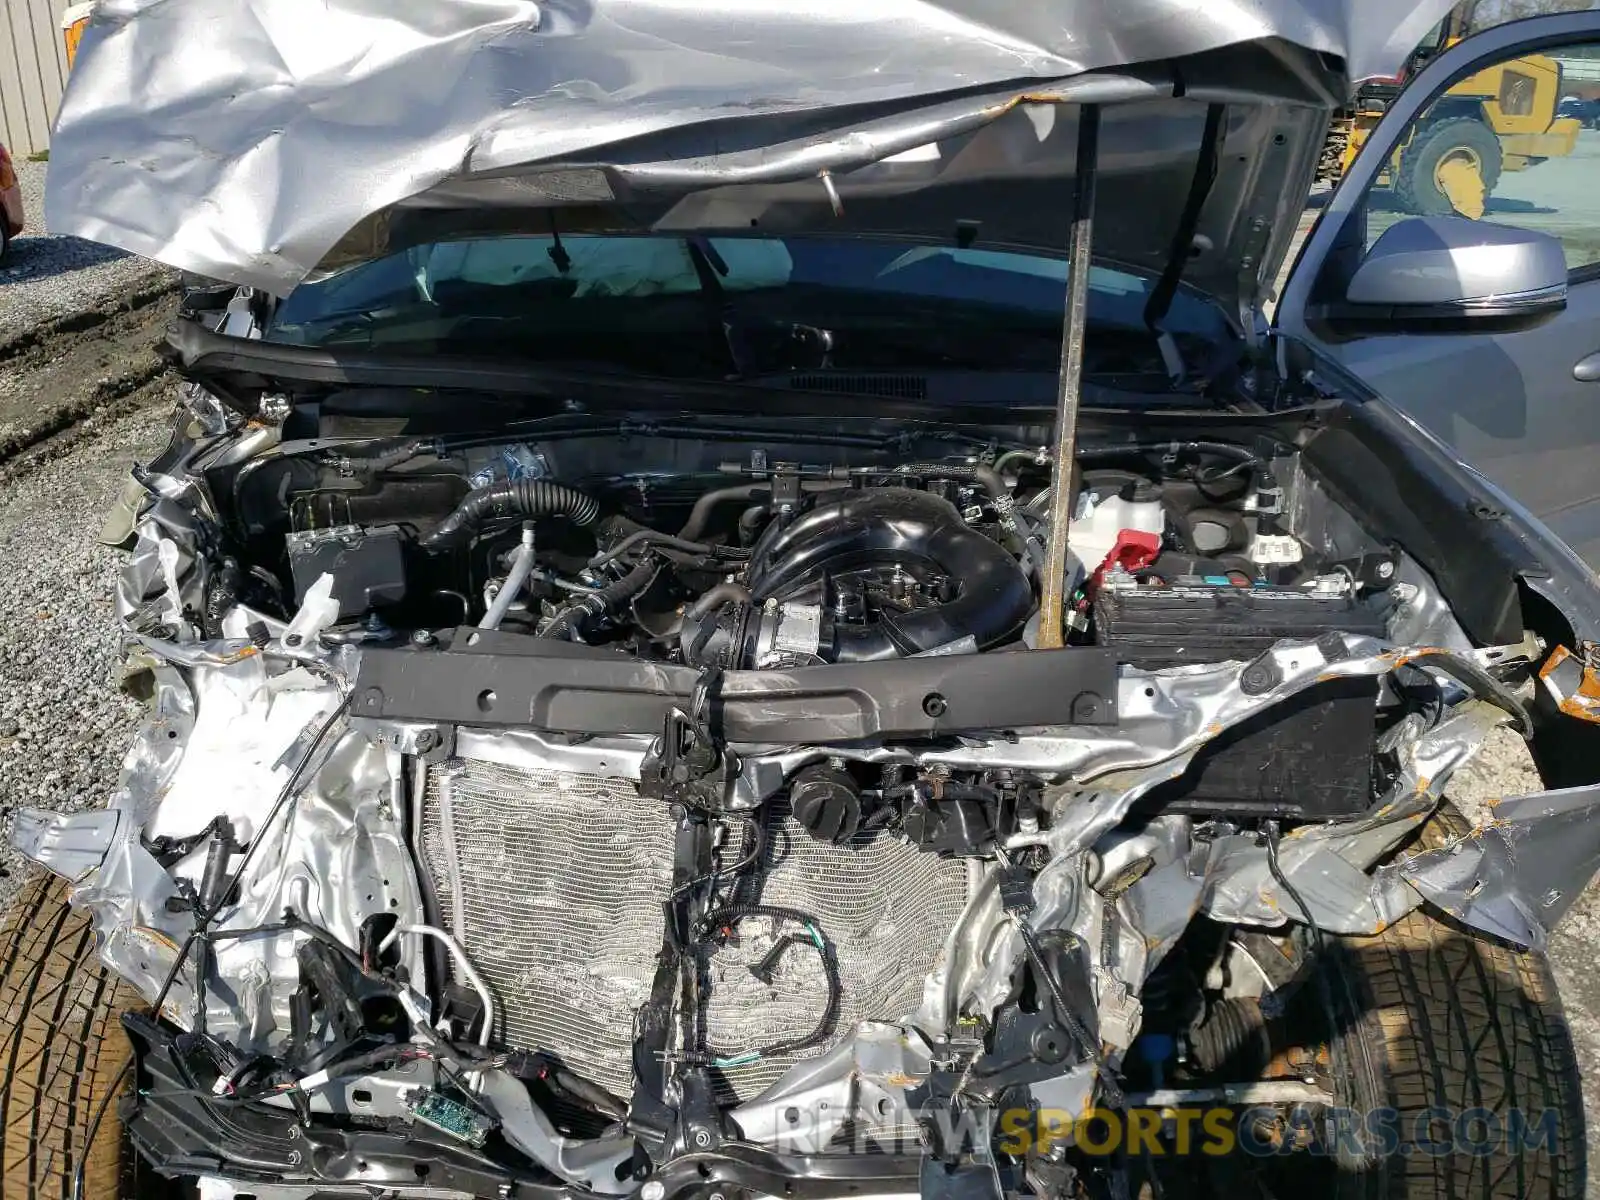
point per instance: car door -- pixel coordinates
(1519, 402)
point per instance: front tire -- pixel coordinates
(62, 1052)
(1447, 1022)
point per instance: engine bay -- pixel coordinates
(624, 792)
(745, 564)
(1184, 551)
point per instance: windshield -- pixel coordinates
(720, 306)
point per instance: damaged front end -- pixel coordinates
(411, 918)
(779, 761)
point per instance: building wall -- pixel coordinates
(33, 70)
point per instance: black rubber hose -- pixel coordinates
(638, 536)
(982, 474)
(715, 598)
(605, 600)
(1172, 447)
(514, 498)
(700, 514)
(379, 463)
(1478, 681)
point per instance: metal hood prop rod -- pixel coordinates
(1069, 387)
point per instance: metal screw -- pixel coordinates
(702, 1138)
(654, 1190)
(422, 637)
(294, 639)
(1385, 569)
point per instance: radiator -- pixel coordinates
(553, 881)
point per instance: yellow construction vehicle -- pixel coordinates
(1504, 118)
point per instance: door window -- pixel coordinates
(1516, 142)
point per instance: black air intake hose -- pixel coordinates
(514, 498)
(982, 474)
(608, 599)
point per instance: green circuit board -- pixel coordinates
(448, 1116)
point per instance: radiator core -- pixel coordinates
(554, 880)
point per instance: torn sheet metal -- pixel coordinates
(243, 138)
(1573, 681)
(162, 578)
(221, 739)
(1516, 876)
(1230, 880)
(1331, 866)
(70, 844)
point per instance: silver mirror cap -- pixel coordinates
(1456, 263)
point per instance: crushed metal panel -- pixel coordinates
(1516, 875)
(218, 136)
(1573, 681)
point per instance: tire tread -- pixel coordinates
(61, 1050)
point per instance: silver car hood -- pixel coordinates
(247, 139)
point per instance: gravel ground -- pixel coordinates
(63, 723)
(44, 278)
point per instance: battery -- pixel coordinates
(1154, 626)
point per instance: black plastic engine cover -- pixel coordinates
(915, 534)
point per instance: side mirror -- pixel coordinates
(1435, 274)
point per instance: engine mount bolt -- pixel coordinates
(654, 1190)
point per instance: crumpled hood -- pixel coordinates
(244, 138)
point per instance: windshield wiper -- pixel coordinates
(711, 269)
